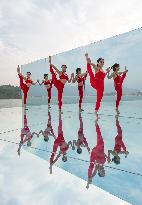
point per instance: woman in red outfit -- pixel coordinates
(25, 86)
(82, 141)
(80, 78)
(119, 147)
(48, 85)
(118, 78)
(59, 84)
(96, 79)
(97, 157)
(26, 135)
(49, 130)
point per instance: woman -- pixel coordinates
(60, 143)
(80, 78)
(25, 86)
(59, 84)
(97, 157)
(118, 78)
(119, 147)
(97, 79)
(48, 85)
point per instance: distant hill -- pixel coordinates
(10, 92)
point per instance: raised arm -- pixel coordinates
(89, 61)
(40, 83)
(55, 68)
(74, 79)
(69, 81)
(109, 76)
(19, 73)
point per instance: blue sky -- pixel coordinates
(30, 30)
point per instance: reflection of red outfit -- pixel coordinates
(24, 87)
(58, 84)
(119, 145)
(80, 88)
(81, 139)
(97, 82)
(25, 131)
(97, 153)
(118, 81)
(48, 82)
(49, 129)
(59, 141)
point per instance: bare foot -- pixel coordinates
(97, 116)
(60, 112)
(117, 111)
(80, 110)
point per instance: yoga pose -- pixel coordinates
(81, 142)
(119, 147)
(80, 78)
(97, 79)
(26, 135)
(62, 144)
(59, 84)
(25, 86)
(49, 130)
(48, 85)
(118, 78)
(97, 157)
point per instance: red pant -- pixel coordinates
(49, 95)
(97, 84)
(97, 153)
(118, 88)
(59, 85)
(80, 91)
(24, 88)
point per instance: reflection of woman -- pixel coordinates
(48, 85)
(26, 135)
(81, 142)
(118, 78)
(80, 78)
(25, 85)
(119, 147)
(61, 143)
(59, 84)
(97, 157)
(49, 130)
(97, 79)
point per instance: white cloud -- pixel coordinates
(33, 29)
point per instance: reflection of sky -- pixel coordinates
(124, 49)
(26, 180)
(130, 123)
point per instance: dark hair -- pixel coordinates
(79, 150)
(99, 59)
(46, 139)
(64, 158)
(115, 66)
(45, 75)
(29, 73)
(116, 160)
(64, 65)
(77, 70)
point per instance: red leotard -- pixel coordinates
(118, 81)
(97, 82)
(58, 84)
(119, 144)
(48, 82)
(97, 153)
(59, 142)
(63, 76)
(80, 87)
(24, 86)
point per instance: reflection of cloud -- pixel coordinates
(26, 180)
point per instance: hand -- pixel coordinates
(88, 60)
(49, 59)
(126, 70)
(86, 54)
(108, 69)
(18, 69)
(37, 81)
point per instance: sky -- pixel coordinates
(32, 29)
